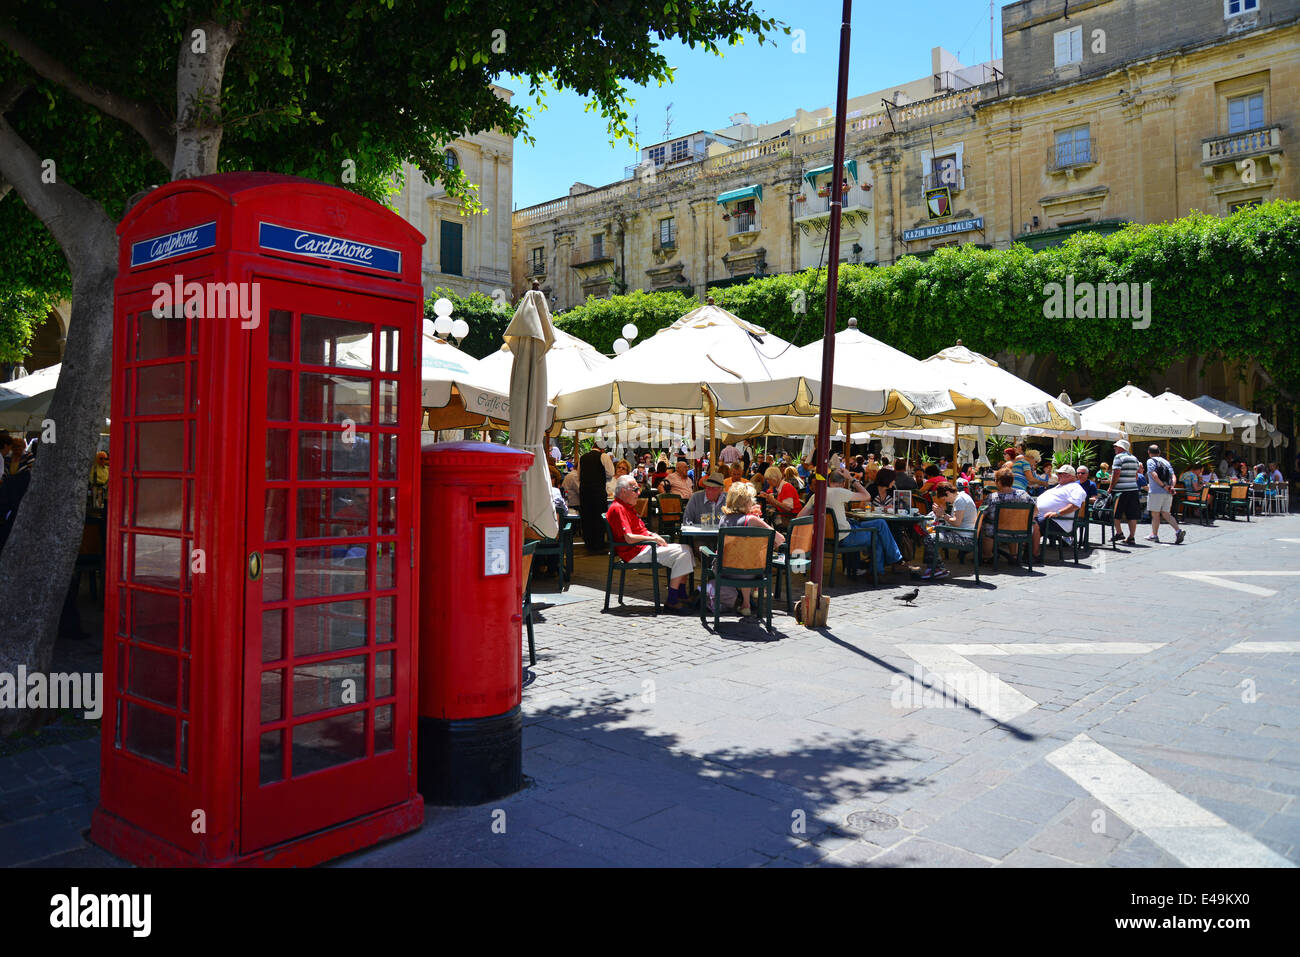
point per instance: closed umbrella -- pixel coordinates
(529, 336)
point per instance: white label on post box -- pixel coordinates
(496, 551)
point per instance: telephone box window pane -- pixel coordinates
(384, 729)
(281, 325)
(277, 454)
(388, 511)
(279, 395)
(333, 398)
(160, 446)
(335, 626)
(189, 505)
(329, 742)
(329, 684)
(159, 338)
(157, 561)
(333, 512)
(185, 746)
(272, 696)
(273, 634)
(389, 345)
(185, 685)
(272, 758)
(277, 507)
(383, 674)
(387, 456)
(336, 342)
(325, 455)
(273, 575)
(321, 572)
(385, 621)
(387, 412)
(155, 618)
(121, 613)
(153, 675)
(151, 734)
(160, 390)
(121, 666)
(385, 564)
(158, 503)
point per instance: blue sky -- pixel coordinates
(891, 44)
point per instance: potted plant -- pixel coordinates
(824, 191)
(801, 198)
(726, 216)
(1183, 455)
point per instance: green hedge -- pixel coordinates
(487, 319)
(1225, 287)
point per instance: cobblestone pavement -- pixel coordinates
(1139, 710)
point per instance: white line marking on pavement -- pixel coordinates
(981, 690)
(1218, 579)
(1181, 827)
(1262, 647)
(1293, 541)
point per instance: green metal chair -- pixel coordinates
(949, 539)
(530, 552)
(744, 561)
(1054, 534)
(1013, 525)
(623, 567)
(834, 549)
(560, 547)
(1202, 505)
(1104, 517)
(1238, 502)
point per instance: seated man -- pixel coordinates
(1087, 484)
(1058, 504)
(570, 487)
(678, 482)
(737, 474)
(884, 548)
(707, 501)
(631, 539)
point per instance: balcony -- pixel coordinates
(813, 205)
(689, 156)
(1235, 148)
(1073, 158)
(742, 223)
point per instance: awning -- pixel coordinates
(747, 192)
(850, 165)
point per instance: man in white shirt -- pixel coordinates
(875, 530)
(1058, 504)
(570, 487)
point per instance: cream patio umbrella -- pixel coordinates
(457, 393)
(529, 336)
(1138, 413)
(708, 361)
(1254, 428)
(25, 401)
(567, 359)
(1009, 399)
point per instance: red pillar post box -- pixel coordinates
(260, 594)
(471, 527)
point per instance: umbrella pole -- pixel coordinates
(955, 464)
(848, 435)
(713, 426)
(816, 608)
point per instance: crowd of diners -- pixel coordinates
(957, 500)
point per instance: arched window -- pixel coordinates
(450, 159)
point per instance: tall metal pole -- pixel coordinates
(812, 616)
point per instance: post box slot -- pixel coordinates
(500, 505)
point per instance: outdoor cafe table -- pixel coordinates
(1220, 493)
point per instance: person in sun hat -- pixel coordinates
(1059, 504)
(707, 501)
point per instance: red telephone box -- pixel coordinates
(260, 601)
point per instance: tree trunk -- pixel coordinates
(37, 561)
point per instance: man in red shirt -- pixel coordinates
(632, 538)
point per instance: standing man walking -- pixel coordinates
(1124, 484)
(1160, 496)
(595, 469)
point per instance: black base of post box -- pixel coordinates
(471, 760)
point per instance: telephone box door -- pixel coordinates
(329, 548)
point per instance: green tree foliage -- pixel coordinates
(1220, 288)
(487, 319)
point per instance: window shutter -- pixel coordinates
(1062, 47)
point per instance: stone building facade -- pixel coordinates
(465, 253)
(1101, 112)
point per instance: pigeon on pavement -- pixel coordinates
(908, 596)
